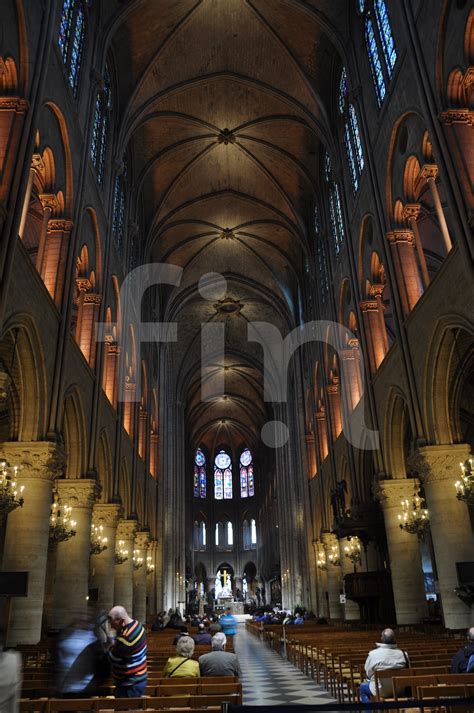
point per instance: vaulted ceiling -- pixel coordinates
(225, 106)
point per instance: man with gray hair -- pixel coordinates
(386, 655)
(219, 662)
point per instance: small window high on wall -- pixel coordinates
(353, 144)
(223, 476)
(71, 39)
(247, 484)
(380, 44)
(199, 474)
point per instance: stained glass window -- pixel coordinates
(374, 61)
(335, 209)
(356, 138)
(342, 91)
(350, 159)
(199, 474)
(253, 532)
(247, 486)
(100, 127)
(386, 36)
(71, 37)
(223, 476)
(118, 214)
(361, 4)
(327, 167)
(352, 142)
(316, 220)
(323, 269)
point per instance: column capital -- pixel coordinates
(152, 546)
(107, 514)
(369, 306)
(49, 200)
(126, 529)
(60, 225)
(141, 540)
(401, 236)
(411, 211)
(42, 460)
(16, 103)
(329, 539)
(79, 492)
(457, 116)
(429, 171)
(437, 463)
(390, 493)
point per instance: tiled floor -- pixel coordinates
(270, 680)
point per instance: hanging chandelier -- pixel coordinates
(150, 567)
(321, 560)
(121, 554)
(335, 556)
(137, 561)
(61, 526)
(414, 518)
(9, 490)
(353, 550)
(98, 541)
(465, 486)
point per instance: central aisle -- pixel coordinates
(267, 679)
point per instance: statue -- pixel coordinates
(338, 500)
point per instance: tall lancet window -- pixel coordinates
(380, 43)
(71, 39)
(223, 476)
(354, 153)
(100, 129)
(199, 474)
(247, 483)
(335, 209)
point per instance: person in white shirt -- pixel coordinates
(386, 655)
(10, 681)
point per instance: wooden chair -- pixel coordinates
(56, 705)
(34, 706)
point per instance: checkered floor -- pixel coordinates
(270, 680)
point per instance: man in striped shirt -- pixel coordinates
(127, 654)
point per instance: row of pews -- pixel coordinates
(335, 658)
(172, 694)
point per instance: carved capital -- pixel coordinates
(49, 200)
(83, 284)
(92, 298)
(37, 162)
(78, 492)
(141, 540)
(126, 529)
(401, 236)
(329, 539)
(436, 463)
(411, 211)
(107, 514)
(376, 290)
(457, 116)
(369, 306)
(14, 104)
(390, 493)
(60, 226)
(42, 460)
(429, 171)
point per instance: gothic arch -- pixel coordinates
(74, 433)
(397, 430)
(104, 466)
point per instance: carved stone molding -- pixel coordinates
(411, 211)
(107, 514)
(44, 460)
(49, 200)
(126, 529)
(369, 306)
(390, 493)
(376, 290)
(92, 298)
(15, 103)
(429, 171)
(329, 539)
(401, 236)
(83, 284)
(141, 540)
(457, 116)
(60, 226)
(79, 493)
(438, 463)
(37, 162)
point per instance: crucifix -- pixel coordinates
(226, 576)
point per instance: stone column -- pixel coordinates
(311, 455)
(139, 577)
(375, 332)
(351, 374)
(27, 531)
(438, 468)
(54, 257)
(404, 552)
(123, 582)
(411, 212)
(334, 399)
(321, 425)
(402, 243)
(351, 608)
(430, 172)
(72, 563)
(102, 566)
(151, 580)
(334, 581)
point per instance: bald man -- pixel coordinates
(386, 655)
(461, 658)
(127, 654)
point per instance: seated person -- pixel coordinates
(202, 636)
(183, 631)
(219, 662)
(461, 657)
(386, 655)
(182, 665)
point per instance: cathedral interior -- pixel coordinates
(236, 308)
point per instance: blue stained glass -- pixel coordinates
(202, 482)
(350, 159)
(243, 483)
(65, 28)
(96, 133)
(327, 167)
(100, 128)
(196, 482)
(374, 60)
(361, 4)
(323, 269)
(227, 484)
(218, 484)
(342, 91)
(356, 138)
(316, 220)
(200, 458)
(337, 227)
(118, 219)
(251, 481)
(199, 474)
(76, 51)
(386, 36)
(338, 210)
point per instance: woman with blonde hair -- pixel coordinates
(182, 664)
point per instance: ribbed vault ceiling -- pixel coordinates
(224, 107)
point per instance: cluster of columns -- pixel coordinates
(72, 570)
